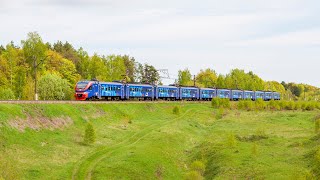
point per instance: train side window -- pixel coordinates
(90, 88)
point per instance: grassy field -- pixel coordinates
(149, 141)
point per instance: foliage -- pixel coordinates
(185, 78)
(176, 110)
(89, 135)
(20, 67)
(193, 175)
(53, 87)
(6, 94)
(206, 78)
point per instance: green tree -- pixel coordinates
(89, 134)
(221, 82)
(35, 52)
(185, 77)
(6, 94)
(207, 78)
(150, 75)
(53, 87)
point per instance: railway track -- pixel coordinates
(93, 102)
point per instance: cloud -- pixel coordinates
(309, 37)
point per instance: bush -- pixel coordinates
(89, 135)
(53, 87)
(176, 110)
(6, 94)
(290, 105)
(198, 166)
(193, 175)
(310, 106)
(225, 103)
(215, 102)
(260, 104)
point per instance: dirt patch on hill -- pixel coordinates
(38, 123)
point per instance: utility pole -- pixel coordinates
(194, 80)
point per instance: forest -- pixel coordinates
(52, 71)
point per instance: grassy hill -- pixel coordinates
(148, 141)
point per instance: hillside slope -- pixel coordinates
(147, 141)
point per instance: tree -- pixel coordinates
(56, 64)
(53, 87)
(89, 134)
(184, 77)
(150, 74)
(221, 81)
(35, 53)
(207, 78)
(6, 94)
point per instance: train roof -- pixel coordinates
(113, 83)
(165, 86)
(189, 87)
(142, 85)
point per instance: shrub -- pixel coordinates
(215, 102)
(249, 105)
(297, 106)
(89, 135)
(290, 105)
(225, 103)
(176, 110)
(260, 104)
(53, 87)
(310, 106)
(193, 175)
(198, 166)
(282, 104)
(6, 94)
(241, 104)
(304, 106)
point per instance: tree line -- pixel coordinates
(52, 70)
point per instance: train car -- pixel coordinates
(188, 93)
(268, 95)
(258, 95)
(112, 91)
(276, 96)
(237, 95)
(224, 93)
(87, 90)
(248, 95)
(166, 92)
(206, 94)
(139, 91)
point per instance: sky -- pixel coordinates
(278, 40)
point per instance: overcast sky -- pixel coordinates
(278, 40)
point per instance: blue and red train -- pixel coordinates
(95, 90)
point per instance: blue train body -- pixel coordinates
(139, 91)
(89, 90)
(236, 95)
(224, 93)
(248, 95)
(166, 92)
(207, 93)
(188, 93)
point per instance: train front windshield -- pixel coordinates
(81, 85)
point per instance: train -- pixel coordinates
(96, 90)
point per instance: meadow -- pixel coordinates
(177, 140)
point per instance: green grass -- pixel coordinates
(150, 141)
